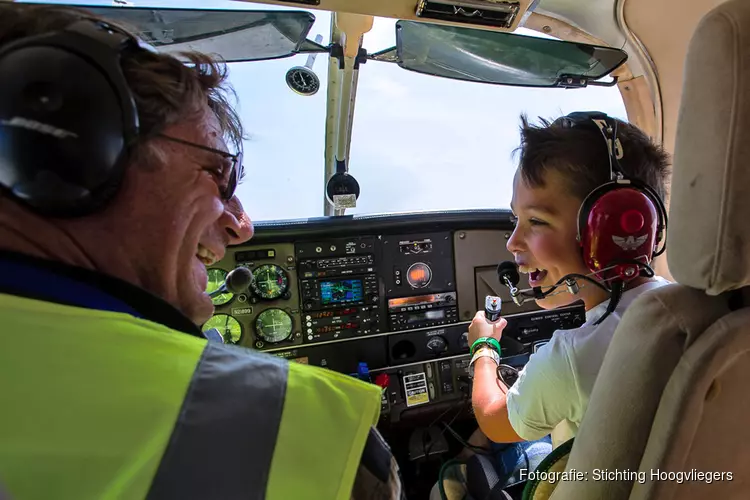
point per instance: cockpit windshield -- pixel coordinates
(418, 142)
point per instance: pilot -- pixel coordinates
(561, 162)
(118, 167)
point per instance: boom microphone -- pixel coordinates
(507, 273)
(238, 281)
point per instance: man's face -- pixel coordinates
(172, 220)
(544, 241)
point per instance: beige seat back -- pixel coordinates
(672, 395)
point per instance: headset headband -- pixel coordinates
(595, 120)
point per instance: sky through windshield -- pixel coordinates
(418, 142)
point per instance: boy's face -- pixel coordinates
(544, 241)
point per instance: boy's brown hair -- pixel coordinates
(580, 155)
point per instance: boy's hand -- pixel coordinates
(480, 327)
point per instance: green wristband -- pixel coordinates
(486, 341)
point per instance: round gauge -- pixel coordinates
(270, 281)
(228, 327)
(216, 278)
(273, 325)
(303, 80)
(419, 275)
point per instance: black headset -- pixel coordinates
(68, 119)
(607, 126)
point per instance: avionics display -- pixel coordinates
(339, 288)
(406, 313)
(434, 315)
(341, 291)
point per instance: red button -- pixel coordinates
(382, 380)
(632, 221)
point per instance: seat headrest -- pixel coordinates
(709, 217)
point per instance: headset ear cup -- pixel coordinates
(661, 226)
(67, 119)
(583, 214)
(63, 154)
(585, 209)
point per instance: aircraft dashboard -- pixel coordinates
(384, 298)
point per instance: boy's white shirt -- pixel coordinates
(552, 391)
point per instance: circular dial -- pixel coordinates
(303, 80)
(437, 344)
(273, 325)
(228, 327)
(216, 278)
(419, 275)
(270, 281)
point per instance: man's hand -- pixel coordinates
(481, 327)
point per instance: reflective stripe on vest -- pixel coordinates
(102, 405)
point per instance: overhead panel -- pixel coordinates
(499, 15)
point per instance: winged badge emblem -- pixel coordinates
(630, 242)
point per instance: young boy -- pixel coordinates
(559, 166)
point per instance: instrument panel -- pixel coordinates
(267, 315)
(390, 304)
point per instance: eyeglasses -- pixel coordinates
(227, 192)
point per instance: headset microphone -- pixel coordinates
(507, 273)
(238, 281)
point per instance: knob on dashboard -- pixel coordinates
(437, 344)
(463, 342)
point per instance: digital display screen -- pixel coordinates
(341, 291)
(334, 312)
(427, 315)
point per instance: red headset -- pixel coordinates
(623, 222)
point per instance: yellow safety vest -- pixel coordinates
(102, 405)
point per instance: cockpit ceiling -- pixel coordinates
(663, 28)
(485, 14)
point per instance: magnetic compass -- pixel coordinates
(303, 80)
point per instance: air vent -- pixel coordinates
(498, 14)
